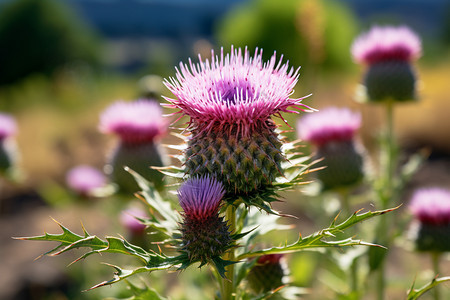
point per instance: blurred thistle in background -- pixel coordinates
(139, 125)
(8, 148)
(388, 52)
(430, 208)
(332, 132)
(85, 180)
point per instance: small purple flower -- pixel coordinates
(431, 206)
(205, 235)
(8, 126)
(200, 197)
(85, 179)
(129, 221)
(235, 89)
(386, 43)
(134, 122)
(329, 124)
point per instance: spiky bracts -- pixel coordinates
(332, 132)
(268, 273)
(231, 101)
(431, 227)
(138, 124)
(388, 52)
(205, 235)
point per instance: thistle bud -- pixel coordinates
(332, 131)
(230, 102)
(138, 125)
(269, 273)
(431, 227)
(388, 52)
(205, 234)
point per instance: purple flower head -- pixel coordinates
(386, 43)
(129, 221)
(135, 122)
(200, 197)
(431, 206)
(84, 179)
(8, 126)
(329, 124)
(235, 89)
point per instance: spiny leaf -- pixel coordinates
(169, 218)
(316, 240)
(122, 274)
(414, 294)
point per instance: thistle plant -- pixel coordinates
(235, 163)
(139, 126)
(430, 228)
(388, 54)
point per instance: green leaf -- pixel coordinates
(414, 294)
(317, 240)
(168, 219)
(122, 274)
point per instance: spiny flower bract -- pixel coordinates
(384, 43)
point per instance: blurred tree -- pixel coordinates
(37, 36)
(313, 33)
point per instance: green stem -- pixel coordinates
(435, 256)
(386, 194)
(228, 289)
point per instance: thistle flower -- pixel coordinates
(431, 210)
(388, 52)
(84, 180)
(269, 273)
(129, 221)
(205, 234)
(8, 152)
(332, 131)
(230, 102)
(139, 125)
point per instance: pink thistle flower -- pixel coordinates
(330, 124)
(235, 89)
(85, 179)
(129, 221)
(269, 273)
(134, 122)
(205, 235)
(431, 206)
(8, 126)
(200, 197)
(385, 44)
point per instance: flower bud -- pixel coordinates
(8, 150)
(84, 180)
(205, 234)
(269, 273)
